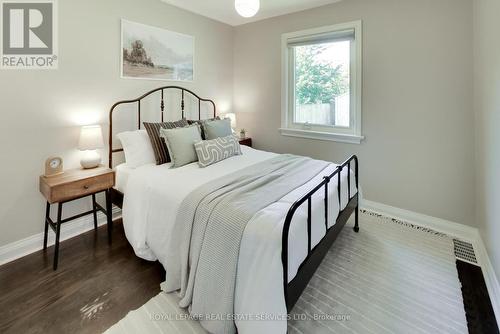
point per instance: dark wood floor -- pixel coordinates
(95, 286)
(478, 309)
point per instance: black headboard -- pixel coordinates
(162, 109)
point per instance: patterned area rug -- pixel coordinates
(392, 277)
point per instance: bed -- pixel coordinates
(282, 244)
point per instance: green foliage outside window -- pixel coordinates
(317, 81)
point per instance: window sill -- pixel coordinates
(338, 137)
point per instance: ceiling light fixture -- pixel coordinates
(247, 8)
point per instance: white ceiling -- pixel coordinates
(223, 10)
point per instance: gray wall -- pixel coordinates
(487, 106)
(42, 110)
(417, 99)
(417, 102)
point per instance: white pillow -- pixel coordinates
(137, 147)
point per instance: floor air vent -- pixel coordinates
(464, 251)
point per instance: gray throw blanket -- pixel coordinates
(202, 261)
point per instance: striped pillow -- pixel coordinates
(158, 143)
(215, 150)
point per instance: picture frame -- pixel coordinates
(153, 53)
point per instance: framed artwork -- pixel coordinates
(156, 54)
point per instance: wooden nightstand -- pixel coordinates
(246, 141)
(72, 185)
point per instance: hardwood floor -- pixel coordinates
(478, 309)
(95, 286)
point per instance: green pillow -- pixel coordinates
(200, 123)
(180, 143)
(217, 129)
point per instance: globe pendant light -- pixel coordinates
(247, 8)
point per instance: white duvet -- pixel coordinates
(154, 194)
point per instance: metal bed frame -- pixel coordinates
(296, 286)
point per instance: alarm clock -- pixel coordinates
(53, 166)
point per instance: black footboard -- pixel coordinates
(315, 255)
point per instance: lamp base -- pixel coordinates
(90, 159)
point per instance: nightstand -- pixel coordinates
(69, 186)
(246, 141)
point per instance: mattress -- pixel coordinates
(154, 194)
(122, 174)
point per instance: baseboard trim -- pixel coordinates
(456, 230)
(460, 231)
(34, 243)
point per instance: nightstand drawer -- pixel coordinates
(68, 187)
(82, 188)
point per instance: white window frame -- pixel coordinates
(331, 133)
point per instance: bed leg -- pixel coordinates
(356, 225)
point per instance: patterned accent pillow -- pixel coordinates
(215, 150)
(159, 146)
(200, 123)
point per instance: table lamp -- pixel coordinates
(232, 117)
(90, 141)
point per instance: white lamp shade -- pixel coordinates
(232, 117)
(90, 138)
(247, 8)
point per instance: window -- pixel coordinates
(321, 85)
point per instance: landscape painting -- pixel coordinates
(154, 53)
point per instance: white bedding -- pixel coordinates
(152, 198)
(122, 173)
